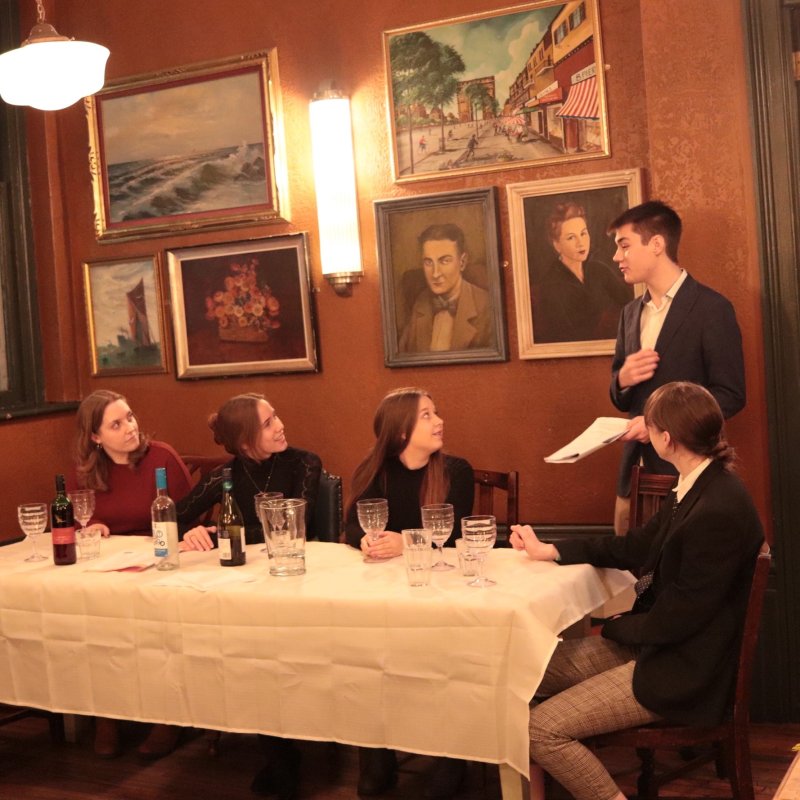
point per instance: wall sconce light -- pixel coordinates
(335, 184)
(49, 71)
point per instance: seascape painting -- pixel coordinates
(192, 148)
(193, 183)
(123, 306)
(497, 90)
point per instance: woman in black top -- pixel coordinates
(407, 467)
(250, 430)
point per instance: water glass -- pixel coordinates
(480, 533)
(285, 534)
(373, 517)
(33, 521)
(88, 541)
(418, 555)
(259, 499)
(466, 561)
(439, 518)
(83, 507)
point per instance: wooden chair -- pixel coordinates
(648, 492)
(328, 515)
(486, 483)
(199, 467)
(729, 741)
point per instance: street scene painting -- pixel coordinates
(124, 311)
(497, 90)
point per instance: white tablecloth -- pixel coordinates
(348, 652)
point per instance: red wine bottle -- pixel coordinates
(62, 524)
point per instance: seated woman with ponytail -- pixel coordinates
(673, 656)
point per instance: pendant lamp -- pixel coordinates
(49, 71)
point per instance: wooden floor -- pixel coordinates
(32, 768)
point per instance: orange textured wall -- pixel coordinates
(677, 108)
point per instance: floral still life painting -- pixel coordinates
(242, 308)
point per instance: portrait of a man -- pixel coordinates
(440, 278)
(451, 313)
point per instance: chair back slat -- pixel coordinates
(648, 492)
(486, 482)
(752, 623)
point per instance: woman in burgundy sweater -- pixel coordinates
(115, 459)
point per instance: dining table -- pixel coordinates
(347, 652)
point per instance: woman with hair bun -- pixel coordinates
(674, 655)
(248, 427)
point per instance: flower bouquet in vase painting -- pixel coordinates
(244, 311)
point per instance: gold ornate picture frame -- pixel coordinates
(558, 315)
(124, 310)
(190, 148)
(504, 89)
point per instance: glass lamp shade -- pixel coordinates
(52, 74)
(335, 184)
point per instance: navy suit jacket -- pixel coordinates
(687, 625)
(700, 342)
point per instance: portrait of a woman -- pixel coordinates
(576, 298)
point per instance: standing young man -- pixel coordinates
(678, 330)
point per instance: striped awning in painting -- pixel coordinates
(581, 101)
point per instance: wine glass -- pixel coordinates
(260, 499)
(82, 505)
(438, 519)
(33, 521)
(373, 516)
(479, 532)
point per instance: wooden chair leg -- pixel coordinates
(646, 786)
(56, 723)
(741, 776)
(212, 741)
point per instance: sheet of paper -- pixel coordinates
(601, 432)
(126, 561)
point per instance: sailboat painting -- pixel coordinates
(123, 306)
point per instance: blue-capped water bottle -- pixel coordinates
(165, 525)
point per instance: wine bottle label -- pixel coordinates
(64, 535)
(225, 553)
(165, 537)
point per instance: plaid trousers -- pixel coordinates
(588, 684)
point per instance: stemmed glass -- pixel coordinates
(82, 505)
(33, 521)
(373, 516)
(479, 532)
(438, 519)
(260, 499)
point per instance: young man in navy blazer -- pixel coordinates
(678, 329)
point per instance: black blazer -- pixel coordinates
(688, 623)
(700, 342)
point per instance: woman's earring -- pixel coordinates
(98, 446)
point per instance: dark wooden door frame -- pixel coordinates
(776, 140)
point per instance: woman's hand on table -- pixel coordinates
(197, 539)
(523, 538)
(388, 545)
(104, 529)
